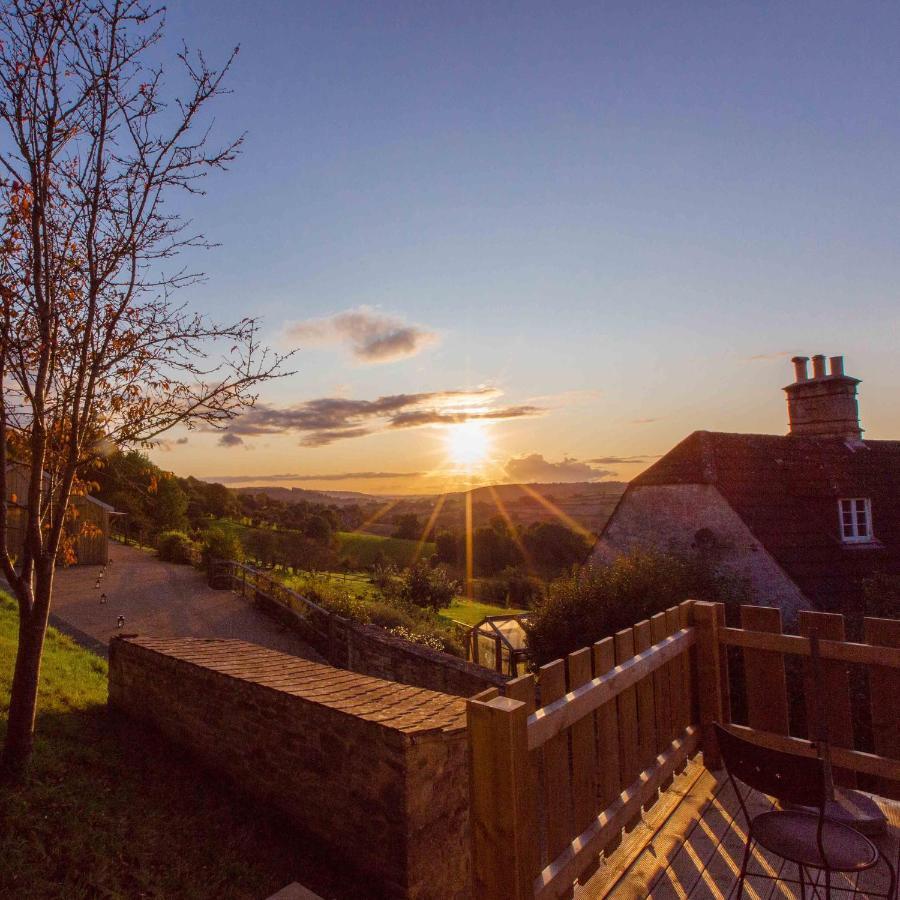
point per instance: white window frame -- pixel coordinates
(850, 531)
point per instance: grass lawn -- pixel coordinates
(355, 583)
(365, 548)
(111, 810)
(471, 612)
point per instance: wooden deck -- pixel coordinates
(691, 843)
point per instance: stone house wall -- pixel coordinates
(375, 771)
(668, 517)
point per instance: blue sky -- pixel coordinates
(603, 210)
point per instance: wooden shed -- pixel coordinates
(89, 522)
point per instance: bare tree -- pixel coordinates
(93, 349)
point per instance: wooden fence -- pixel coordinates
(859, 684)
(563, 763)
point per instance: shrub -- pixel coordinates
(427, 588)
(596, 602)
(174, 546)
(523, 590)
(220, 543)
(388, 616)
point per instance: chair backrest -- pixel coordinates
(795, 779)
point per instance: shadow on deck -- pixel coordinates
(693, 846)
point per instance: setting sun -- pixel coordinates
(468, 444)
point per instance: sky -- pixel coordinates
(543, 242)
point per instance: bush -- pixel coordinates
(388, 616)
(596, 602)
(427, 588)
(523, 590)
(174, 546)
(220, 543)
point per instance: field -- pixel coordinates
(471, 612)
(108, 810)
(364, 549)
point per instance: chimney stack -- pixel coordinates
(824, 405)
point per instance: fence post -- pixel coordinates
(708, 683)
(499, 781)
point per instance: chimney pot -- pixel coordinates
(818, 362)
(800, 373)
(837, 365)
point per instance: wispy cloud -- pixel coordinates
(230, 439)
(371, 336)
(535, 468)
(329, 419)
(621, 460)
(287, 476)
(761, 357)
(643, 421)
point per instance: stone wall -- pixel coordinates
(370, 650)
(376, 771)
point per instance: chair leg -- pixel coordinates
(892, 880)
(828, 884)
(743, 875)
(802, 881)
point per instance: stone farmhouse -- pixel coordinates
(805, 517)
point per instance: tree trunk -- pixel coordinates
(23, 696)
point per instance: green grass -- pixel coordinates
(111, 810)
(471, 612)
(366, 548)
(356, 584)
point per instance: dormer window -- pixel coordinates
(856, 520)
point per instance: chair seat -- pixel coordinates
(792, 834)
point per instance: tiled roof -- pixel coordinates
(786, 489)
(398, 707)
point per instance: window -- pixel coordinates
(856, 520)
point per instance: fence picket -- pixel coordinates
(584, 762)
(557, 785)
(662, 696)
(629, 737)
(609, 781)
(523, 690)
(884, 691)
(764, 673)
(835, 688)
(645, 701)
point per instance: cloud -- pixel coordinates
(621, 460)
(761, 357)
(642, 421)
(338, 476)
(372, 337)
(181, 440)
(535, 468)
(329, 419)
(230, 440)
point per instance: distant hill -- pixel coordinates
(304, 495)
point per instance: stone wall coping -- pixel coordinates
(447, 660)
(409, 710)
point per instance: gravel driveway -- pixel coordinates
(163, 600)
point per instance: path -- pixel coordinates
(162, 600)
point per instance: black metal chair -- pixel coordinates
(809, 839)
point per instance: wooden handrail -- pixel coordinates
(551, 720)
(857, 760)
(843, 651)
